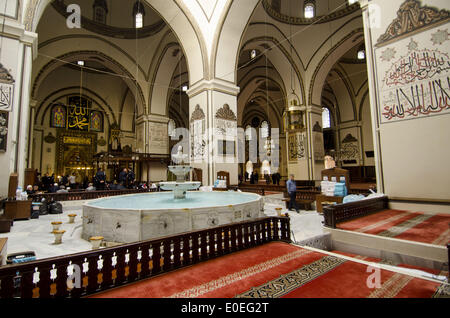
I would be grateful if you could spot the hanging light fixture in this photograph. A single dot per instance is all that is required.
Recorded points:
(309, 9)
(293, 115)
(138, 15)
(361, 55)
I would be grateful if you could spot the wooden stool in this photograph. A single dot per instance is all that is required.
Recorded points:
(96, 241)
(58, 236)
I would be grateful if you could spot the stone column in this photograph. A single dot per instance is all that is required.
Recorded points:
(297, 140)
(213, 129)
(372, 94)
(33, 104)
(316, 143)
(18, 47)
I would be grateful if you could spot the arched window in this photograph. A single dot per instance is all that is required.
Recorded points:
(138, 14)
(309, 9)
(100, 11)
(248, 132)
(264, 129)
(326, 118)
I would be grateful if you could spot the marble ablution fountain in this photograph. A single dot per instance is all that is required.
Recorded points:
(144, 216)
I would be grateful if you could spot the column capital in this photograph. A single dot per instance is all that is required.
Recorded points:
(313, 108)
(14, 29)
(213, 85)
(33, 103)
(363, 4)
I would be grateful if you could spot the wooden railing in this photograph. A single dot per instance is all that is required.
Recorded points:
(84, 195)
(334, 214)
(82, 274)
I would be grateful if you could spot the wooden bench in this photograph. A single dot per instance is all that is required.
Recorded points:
(3, 243)
(337, 213)
(303, 197)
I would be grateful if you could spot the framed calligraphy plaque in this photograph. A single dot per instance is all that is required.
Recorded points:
(413, 78)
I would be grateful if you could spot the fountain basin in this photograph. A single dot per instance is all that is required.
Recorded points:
(137, 217)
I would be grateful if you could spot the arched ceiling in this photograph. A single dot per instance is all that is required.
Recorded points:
(119, 18)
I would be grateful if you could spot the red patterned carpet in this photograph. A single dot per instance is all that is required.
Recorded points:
(404, 225)
(277, 270)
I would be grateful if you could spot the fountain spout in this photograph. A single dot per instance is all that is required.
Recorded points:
(179, 187)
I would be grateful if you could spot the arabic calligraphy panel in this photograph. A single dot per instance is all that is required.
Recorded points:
(6, 96)
(415, 83)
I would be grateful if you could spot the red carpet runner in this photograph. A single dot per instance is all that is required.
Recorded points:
(411, 226)
(277, 270)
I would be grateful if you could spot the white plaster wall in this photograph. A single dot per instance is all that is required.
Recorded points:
(414, 152)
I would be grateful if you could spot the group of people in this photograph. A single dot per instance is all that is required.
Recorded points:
(254, 177)
(51, 184)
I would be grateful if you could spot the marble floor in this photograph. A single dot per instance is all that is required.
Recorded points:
(35, 234)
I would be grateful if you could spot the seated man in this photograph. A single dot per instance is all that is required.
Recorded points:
(292, 191)
(90, 187)
(62, 189)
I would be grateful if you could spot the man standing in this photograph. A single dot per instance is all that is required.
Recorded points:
(123, 176)
(100, 179)
(292, 191)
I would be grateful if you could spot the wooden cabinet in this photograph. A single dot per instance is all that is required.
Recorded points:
(17, 210)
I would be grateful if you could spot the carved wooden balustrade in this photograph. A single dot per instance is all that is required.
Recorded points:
(334, 214)
(83, 274)
(84, 195)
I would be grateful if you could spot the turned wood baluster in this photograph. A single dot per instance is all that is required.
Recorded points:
(240, 238)
(156, 257)
(219, 241)
(276, 229)
(186, 249)
(234, 239)
(177, 252)
(246, 235)
(204, 245)
(167, 253)
(226, 239)
(194, 248)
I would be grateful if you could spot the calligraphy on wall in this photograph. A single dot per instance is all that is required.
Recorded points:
(6, 89)
(3, 130)
(78, 113)
(414, 72)
(296, 147)
(197, 131)
(77, 116)
(349, 150)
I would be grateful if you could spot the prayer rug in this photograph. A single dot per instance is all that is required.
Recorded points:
(277, 270)
(411, 226)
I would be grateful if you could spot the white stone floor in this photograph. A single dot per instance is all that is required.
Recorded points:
(35, 234)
